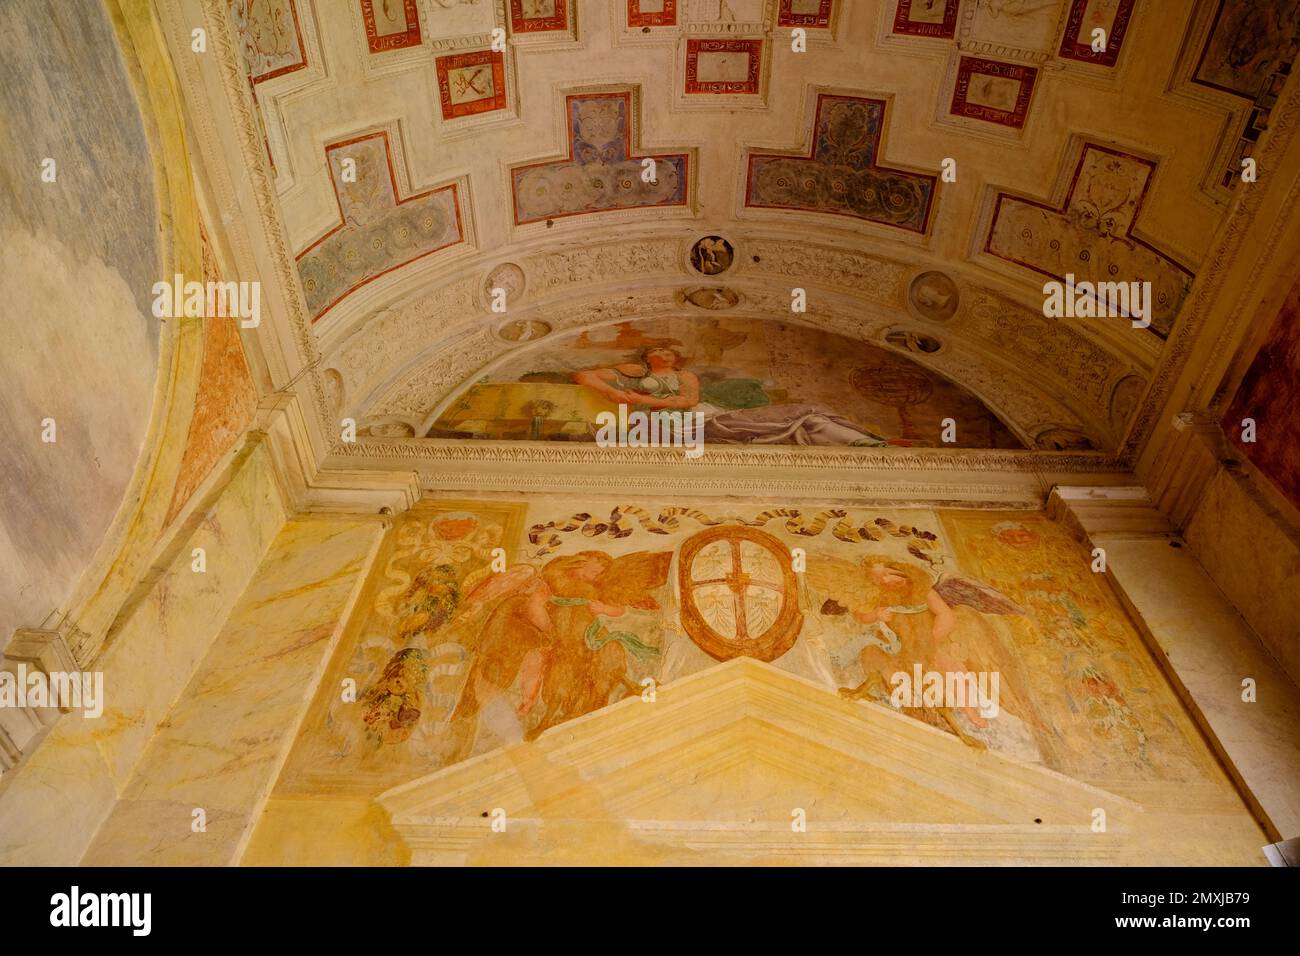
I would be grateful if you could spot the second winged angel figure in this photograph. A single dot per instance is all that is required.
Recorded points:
(897, 616)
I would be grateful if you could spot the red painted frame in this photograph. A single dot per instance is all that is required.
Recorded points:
(627, 149)
(1060, 210)
(302, 49)
(875, 152)
(785, 16)
(521, 24)
(445, 64)
(394, 41)
(392, 175)
(695, 47)
(635, 18)
(905, 25)
(1073, 47)
(970, 66)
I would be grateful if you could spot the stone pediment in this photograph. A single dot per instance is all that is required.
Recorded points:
(721, 767)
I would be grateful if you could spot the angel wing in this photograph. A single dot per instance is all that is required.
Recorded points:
(484, 590)
(496, 584)
(957, 590)
(631, 578)
(834, 578)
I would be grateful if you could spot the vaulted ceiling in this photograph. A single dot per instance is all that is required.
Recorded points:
(918, 168)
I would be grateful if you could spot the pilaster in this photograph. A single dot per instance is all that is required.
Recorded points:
(1245, 703)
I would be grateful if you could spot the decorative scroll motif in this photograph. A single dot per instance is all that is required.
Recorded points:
(378, 232)
(600, 173)
(402, 331)
(270, 37)
(1091, 235)
(604, 263)
(1071, 357)
(668, 521)
(842, 176)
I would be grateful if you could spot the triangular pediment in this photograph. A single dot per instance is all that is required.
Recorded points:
(733, 760)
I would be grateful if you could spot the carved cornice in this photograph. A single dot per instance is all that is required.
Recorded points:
(731, 455)
(934, 477)
(1127, 511)
(962, 478)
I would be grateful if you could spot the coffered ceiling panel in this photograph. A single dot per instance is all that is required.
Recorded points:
(459, 180)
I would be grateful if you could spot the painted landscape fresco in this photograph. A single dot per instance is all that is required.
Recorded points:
(755, 382)
(455, 658)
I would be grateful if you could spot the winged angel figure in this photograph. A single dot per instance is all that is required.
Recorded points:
(541, 644)
(909, 618)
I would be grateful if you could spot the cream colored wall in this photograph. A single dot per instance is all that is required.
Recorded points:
(289, 833)
(1247, 545)
(224, 740)
(205, 680)
(1246, 705)
(51, 805)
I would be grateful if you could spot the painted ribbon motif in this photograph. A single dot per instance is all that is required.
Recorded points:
(549, 535)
